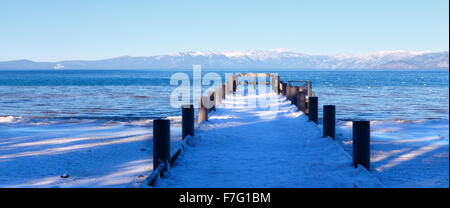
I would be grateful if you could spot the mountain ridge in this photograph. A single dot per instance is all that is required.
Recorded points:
(263, 59)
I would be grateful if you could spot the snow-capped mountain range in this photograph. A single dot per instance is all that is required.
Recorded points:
(255, 59)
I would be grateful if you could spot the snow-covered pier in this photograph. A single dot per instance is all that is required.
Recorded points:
(257, 138)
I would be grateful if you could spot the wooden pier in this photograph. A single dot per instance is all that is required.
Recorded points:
(258, 135)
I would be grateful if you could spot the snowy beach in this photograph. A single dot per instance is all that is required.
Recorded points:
(96, 154)
(406, 154)
(77, 153)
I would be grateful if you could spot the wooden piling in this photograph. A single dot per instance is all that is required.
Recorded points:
(329, 121)
(278, 85)
(361, 143)
(223, 91)
(288, 91)
(161, 141)
(313, 105)
(202, 110)
(301, 101)
(230, 84)
(294, 92)
(187, 120)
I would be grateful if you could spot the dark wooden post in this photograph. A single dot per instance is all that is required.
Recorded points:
(294, 92)
(213, 99)
(230, 84)
(187, 120)
(288, 91)
(223, 91)
(161, 141)
(313, 105)
(301, 101)
(361, 143)
(278, 85)
(202, 111)
(329, 121)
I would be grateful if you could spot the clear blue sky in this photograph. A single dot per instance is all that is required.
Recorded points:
(78, 29)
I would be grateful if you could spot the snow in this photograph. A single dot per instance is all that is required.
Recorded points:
(92, 153)
(407, 154)
(241, 146)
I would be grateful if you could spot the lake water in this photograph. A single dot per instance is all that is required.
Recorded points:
(137, 94)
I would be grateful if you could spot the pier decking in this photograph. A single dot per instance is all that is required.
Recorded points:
(245, 145)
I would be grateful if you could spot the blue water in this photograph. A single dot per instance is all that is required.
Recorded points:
(137, 94)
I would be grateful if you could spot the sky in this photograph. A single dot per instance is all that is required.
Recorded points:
(45, 30)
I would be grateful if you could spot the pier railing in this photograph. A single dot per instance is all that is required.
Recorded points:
(309, 105)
